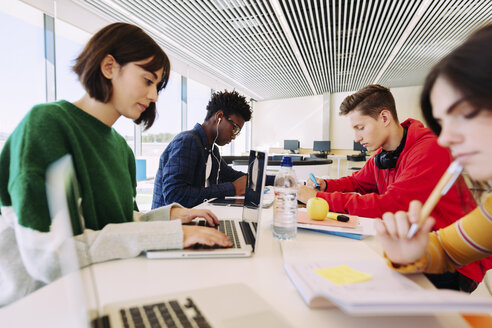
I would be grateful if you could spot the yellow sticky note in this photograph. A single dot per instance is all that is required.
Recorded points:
(343, 275)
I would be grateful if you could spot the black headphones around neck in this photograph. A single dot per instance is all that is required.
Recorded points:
(388, 159)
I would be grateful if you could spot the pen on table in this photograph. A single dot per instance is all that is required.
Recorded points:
(316, 184)
(442, 187)
(338, 217)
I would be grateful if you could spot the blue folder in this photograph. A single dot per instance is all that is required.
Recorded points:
(337, 233)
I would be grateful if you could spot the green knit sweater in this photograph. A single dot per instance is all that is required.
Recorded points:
(104, 163)
(105, 169)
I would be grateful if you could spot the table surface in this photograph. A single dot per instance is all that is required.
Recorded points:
(139, 277)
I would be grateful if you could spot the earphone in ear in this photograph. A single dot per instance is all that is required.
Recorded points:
(217, 128)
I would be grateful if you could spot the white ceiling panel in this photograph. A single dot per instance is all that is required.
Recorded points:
(287, 48)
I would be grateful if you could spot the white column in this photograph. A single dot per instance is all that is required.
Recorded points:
(49, 57)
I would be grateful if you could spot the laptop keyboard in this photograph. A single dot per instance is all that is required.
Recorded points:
(249, 237)
(170, 314)
(227, 227)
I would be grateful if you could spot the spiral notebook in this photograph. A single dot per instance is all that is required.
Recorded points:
(358, 281)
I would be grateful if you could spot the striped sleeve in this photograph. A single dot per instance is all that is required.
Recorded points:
(438, 260)
(467, 240)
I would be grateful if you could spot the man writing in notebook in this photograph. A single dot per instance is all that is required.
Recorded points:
(407, 165)
(191, 169)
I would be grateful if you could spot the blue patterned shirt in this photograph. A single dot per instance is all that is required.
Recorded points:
(181, 174)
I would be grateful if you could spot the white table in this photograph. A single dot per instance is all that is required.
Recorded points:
(139, 277)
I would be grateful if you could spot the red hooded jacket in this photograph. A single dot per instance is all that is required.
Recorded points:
(371, 191)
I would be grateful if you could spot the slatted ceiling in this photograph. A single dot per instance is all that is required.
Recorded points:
(252, 47)
(375, 40)
(263, 44)
(238, 53)
(292, 48)
(450, 22)
(342, 42)
(443, 41)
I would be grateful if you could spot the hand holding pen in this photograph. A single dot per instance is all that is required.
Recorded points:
(316, 183)
(393, 229)
(442, 187)
(403, 243)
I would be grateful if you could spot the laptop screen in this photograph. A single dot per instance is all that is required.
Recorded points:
(64, 204)
(255, 183)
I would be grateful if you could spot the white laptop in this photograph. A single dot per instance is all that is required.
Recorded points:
(242, 231)
(231, 305)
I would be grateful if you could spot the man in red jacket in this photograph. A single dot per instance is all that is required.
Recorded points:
(407, 165)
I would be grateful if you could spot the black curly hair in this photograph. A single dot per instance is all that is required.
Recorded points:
(229, 103)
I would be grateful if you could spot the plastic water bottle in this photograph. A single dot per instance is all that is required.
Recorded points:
(285, 209)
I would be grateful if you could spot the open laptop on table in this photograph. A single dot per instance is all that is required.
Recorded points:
(231, 305)
(242, 231)
(255, 178)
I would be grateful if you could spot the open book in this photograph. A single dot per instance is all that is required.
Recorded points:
(385, 292)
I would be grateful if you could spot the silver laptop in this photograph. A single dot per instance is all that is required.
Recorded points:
(231, 305)
(242, 231)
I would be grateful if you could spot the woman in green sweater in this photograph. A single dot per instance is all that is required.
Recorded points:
(122, 70)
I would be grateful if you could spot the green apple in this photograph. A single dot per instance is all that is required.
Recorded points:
(317, 208)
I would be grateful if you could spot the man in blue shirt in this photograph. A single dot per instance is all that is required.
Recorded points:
(191, 168)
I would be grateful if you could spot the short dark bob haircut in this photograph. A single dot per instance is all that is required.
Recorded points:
(468, 68)
(126, 43)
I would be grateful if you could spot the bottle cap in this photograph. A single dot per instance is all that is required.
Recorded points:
(286, 161)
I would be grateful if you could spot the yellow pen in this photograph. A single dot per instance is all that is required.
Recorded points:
(442, 187)
(337, 217)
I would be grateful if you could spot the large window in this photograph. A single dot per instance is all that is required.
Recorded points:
(198, 98)
(22, 70)
(166, 125)
(23, 84)
(69, 42)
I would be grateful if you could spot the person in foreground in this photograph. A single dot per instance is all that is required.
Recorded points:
(122, 70)
(457, 104)
(191, 169)
(407, 165)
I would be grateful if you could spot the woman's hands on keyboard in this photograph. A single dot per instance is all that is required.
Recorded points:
(202, 235)
(186, 215)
